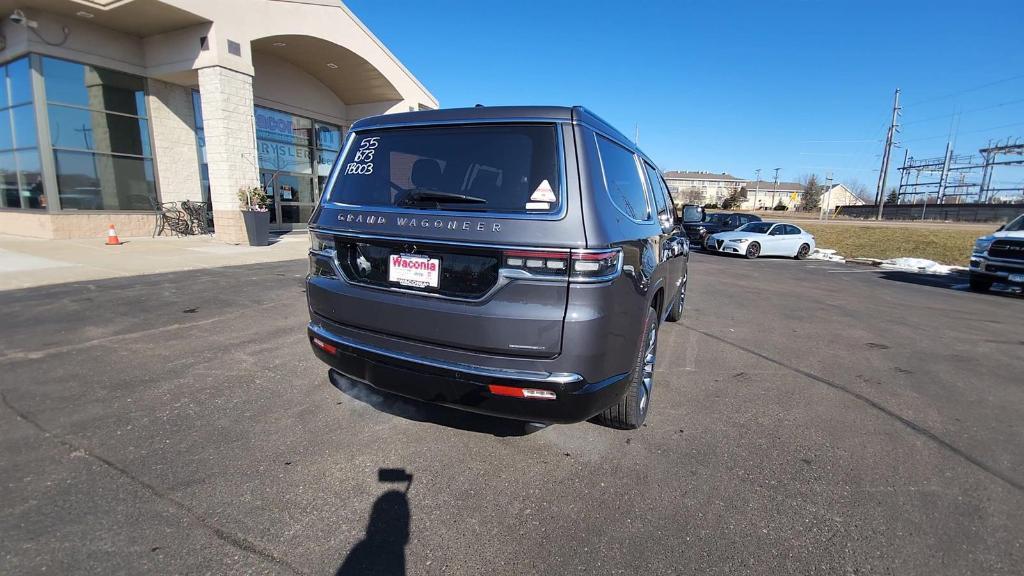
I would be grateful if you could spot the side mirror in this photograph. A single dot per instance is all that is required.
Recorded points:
(1000, 229)
(693, 214)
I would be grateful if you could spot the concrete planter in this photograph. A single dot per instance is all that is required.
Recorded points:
(257, 227)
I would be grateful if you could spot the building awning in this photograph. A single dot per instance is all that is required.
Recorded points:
(344, 72)
(139, 18)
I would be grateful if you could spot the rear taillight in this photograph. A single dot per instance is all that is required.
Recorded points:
(321, 243)
(537, 262)
(594, 265)
(577, 265)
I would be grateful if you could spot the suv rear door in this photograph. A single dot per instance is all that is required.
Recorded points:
(457, 236)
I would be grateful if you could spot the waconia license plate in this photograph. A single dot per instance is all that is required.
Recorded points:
(1016, 278)
(414, 270)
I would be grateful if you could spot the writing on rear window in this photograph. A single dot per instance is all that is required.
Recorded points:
(362, 163)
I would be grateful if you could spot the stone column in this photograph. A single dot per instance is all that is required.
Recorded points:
(174, 141)
(227, 102)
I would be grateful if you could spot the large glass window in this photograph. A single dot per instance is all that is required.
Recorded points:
(21, 180)
(295, 158)
(622, 177)
(100, 137)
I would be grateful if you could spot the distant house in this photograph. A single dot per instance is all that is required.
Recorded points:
(767, 195)
(839, 195)
(702, 187)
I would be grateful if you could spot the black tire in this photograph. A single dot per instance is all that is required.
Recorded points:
(980, 283)
(675, 313)
(753, 251)
(803, 252)
(631, 410)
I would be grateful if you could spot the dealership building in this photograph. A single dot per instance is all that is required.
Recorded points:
(112, 107)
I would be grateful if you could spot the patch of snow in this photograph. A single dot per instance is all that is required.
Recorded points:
(826, 254)
(919, 265)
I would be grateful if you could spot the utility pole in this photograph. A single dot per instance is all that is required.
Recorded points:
(636, 134)
(757, 188)
(884, 173)
(904, 174)
(828, 196)
(944, 178)
(775, 187)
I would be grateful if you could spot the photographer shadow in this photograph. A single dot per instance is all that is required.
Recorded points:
(382, 551)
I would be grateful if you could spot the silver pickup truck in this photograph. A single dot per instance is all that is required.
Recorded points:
(999, 257)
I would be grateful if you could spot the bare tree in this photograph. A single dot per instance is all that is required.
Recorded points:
(693, 195)
(860, 190)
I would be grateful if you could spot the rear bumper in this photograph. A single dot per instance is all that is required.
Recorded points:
(465, 386)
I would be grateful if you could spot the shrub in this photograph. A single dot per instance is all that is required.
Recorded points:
(254, 198)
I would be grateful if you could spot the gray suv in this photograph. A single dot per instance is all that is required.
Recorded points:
(514, 261)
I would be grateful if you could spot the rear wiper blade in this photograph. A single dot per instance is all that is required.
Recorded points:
(420, 195)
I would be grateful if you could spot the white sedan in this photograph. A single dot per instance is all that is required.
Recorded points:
(763, 239)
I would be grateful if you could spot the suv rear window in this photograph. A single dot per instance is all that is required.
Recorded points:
(622, 178)
(493, 168)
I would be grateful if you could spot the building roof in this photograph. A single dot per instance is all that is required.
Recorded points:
(677, 175)
(769, 186)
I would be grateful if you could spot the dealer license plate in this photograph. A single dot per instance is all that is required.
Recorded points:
(1016, 278)
(414, 270)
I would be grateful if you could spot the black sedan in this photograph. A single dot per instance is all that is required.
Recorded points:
(714, 223)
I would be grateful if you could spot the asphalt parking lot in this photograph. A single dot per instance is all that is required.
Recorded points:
(808, 417)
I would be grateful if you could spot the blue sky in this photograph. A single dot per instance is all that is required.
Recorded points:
(733, 86)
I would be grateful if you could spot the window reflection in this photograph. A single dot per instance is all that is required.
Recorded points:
(93, 87)
(91, 130)
(88, 181)
(100, 137)
(21, 183)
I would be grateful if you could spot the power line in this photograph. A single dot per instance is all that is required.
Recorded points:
(944, 116)
(968, 132)
(965, 90)
(840, 141)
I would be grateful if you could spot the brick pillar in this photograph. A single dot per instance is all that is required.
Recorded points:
(226, 98)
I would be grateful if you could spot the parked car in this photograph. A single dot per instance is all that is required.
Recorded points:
(763, 239)
(999, 257)
(716, 222)
(515, 261)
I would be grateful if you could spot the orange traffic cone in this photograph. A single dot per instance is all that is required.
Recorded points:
(112, 239)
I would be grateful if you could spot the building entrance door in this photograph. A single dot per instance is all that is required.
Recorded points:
(292, 198)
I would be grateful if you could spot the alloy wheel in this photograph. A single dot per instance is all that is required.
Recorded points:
(648, 375)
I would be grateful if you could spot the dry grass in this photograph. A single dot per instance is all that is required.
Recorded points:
(945, 245)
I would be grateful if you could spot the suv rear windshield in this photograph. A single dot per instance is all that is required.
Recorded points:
(492, 168)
